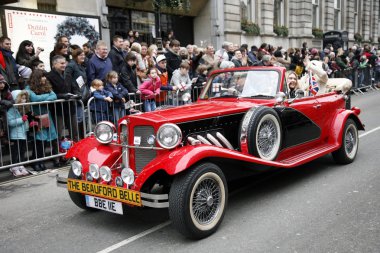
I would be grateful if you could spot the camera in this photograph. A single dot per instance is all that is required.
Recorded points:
(41, 49)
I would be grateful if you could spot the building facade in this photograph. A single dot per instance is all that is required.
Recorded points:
(286, 23)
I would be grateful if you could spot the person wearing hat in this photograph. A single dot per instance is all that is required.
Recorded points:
(163, 75)
(18, 122)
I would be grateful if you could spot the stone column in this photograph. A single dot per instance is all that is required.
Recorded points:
(232, 21)
(375, 20)
(300, 22)
(366, 19)
(267, 14)
(329, 15)
(350, 19)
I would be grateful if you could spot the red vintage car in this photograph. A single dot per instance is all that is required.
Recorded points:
(181, 158)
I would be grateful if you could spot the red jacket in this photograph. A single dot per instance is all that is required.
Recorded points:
(150, 88)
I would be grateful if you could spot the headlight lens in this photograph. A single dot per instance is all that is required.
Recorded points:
(169, 136)
(94, 171)
(104, 132)
(105, 173)
(128, 176)
(76, 166)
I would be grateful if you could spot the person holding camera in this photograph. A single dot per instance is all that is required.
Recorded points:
(26, 54)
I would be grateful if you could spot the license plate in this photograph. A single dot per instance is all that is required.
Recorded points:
(104, 204)
(109, 192)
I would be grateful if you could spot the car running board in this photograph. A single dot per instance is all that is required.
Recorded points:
(308, 155)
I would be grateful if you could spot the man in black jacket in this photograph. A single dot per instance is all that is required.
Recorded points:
(173, 59)
(64, 112)
(116, 53)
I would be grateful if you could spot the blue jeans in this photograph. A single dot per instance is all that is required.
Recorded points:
(149, 105)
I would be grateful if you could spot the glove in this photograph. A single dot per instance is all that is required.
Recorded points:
(24, 118)
(66, 96)
(77, 97)
(6, 103)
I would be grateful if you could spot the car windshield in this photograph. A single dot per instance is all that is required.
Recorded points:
(248, 84)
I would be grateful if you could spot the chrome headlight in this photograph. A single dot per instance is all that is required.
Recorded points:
(104, 132)
(94, 170)
(105, 173)
(169, 136)
(128, 176)
(76, 166)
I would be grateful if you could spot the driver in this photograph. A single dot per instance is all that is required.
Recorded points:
(238, 86)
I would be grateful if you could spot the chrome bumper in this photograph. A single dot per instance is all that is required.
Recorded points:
(149, 200)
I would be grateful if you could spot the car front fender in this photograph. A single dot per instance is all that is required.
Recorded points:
(183, 158)
(89, 150)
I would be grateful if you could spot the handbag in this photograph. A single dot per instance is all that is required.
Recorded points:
(43, 121)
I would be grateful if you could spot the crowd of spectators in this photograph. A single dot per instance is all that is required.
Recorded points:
(131, 66)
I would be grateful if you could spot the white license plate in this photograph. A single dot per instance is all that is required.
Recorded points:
(104, 204)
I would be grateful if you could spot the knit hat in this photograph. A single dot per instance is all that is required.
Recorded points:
(2, 79)
(314, 51)
(161, 57)
(24, 71)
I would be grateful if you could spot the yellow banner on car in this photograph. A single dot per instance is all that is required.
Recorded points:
(105, 191)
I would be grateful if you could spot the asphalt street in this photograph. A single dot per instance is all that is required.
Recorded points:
(318, 207)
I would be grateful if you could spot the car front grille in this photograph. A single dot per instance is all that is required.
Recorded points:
(143, 156)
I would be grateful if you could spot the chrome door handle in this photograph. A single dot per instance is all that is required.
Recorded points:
(317, 106)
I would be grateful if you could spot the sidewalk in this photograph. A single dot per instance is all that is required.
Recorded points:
(6, 175)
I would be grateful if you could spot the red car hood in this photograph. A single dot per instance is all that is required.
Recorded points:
(201, 110)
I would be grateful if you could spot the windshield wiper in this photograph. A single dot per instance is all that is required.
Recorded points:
(261, 96)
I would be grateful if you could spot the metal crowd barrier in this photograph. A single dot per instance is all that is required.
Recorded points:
(51, 127)
(101, 110)
(70, 121)
(363, 79)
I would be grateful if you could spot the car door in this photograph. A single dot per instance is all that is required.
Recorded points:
(302, 121)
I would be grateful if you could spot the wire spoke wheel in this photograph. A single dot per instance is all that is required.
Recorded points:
(262, 132)
(197, 200)
(350, 143)
(206, 201)
(266, 138)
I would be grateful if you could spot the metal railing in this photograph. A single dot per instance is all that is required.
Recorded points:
(44, 134)
(363, 79)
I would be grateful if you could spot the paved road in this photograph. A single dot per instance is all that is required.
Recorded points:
(318, 207)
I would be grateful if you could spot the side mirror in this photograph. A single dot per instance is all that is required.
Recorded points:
(280, 97)
(300, 93)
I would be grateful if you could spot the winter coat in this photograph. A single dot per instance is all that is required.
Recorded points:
(150, 88)
(173, 62)
(45, 134)
(61, 88)
(26, 60)
(98, 68)
(5, 100)
(99, 104)
(74, 71)
(17, 127)
(117, 59)
(178, 80)
(11, 69)
(118, 93)
(128, 78)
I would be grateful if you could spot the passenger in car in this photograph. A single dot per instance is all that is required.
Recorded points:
(292, 83)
